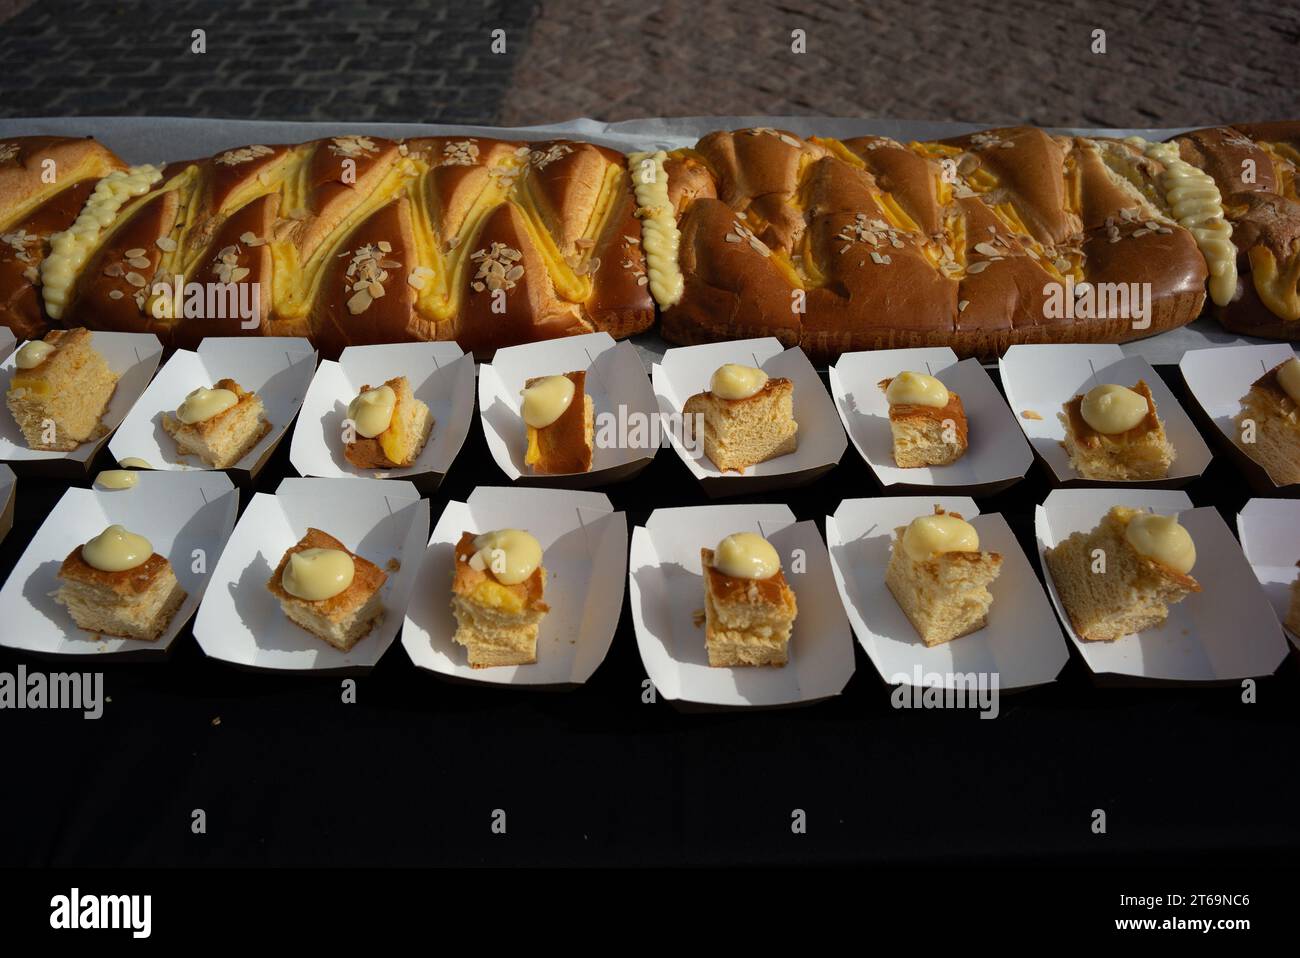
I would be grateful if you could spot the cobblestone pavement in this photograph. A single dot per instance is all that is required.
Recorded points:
(1165, 64)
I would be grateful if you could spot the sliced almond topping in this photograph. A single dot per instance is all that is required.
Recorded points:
(359, 303)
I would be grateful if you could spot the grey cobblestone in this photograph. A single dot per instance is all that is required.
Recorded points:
(992, 61)
(417, 60)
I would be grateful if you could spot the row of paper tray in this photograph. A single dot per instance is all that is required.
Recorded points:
(1230, 631)
(285, 373)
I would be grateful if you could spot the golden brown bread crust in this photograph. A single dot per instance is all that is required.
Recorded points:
(127, 582)
(1264, 210)
(465, 578)
(1088, 437)
(563, 445)
(953, 412)
(727, 590)
(313, 225)
(367, 578)
(32, 210)
(895, 245)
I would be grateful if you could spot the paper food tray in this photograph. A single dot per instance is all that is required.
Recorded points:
(1218, 379)
(997, 456)
(687, 370)
(584, 552)
(277, 368)
(1225, 632)
(133, 356)
(1022, 642)
(1270, 539)
(667, 595)
(441, 376)
(616, 383)
(241, 622)
(1041, 379)
(187, 517)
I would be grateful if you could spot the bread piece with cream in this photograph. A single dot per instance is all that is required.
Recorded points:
(748, 417)
(940, 578)
(1114, 433)
(1121, 577)
(1270, 418)
(60, 390)
(329, 590)
(115, 584)
(498, 597)
(559, 418)
(389, 425)
(926, 419)
(219, 425)
(749, 609)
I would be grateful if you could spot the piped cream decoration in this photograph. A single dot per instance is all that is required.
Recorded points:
(70, 248)
(33, 354)
(318, 574)
(916, 389)
(116, 550)
(929, 536)
(117, 479)
(734, 381)
(204, 403)
(1161, 538)
(372, 411)
(1196, 204)
(1112, 409)
(746, 555)
(1288, 377)
(511, 555)
(545, 401)
(659, 235)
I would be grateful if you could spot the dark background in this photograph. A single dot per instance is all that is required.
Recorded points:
(410, 775)
(288, 775)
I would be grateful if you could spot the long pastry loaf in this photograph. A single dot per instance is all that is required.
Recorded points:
(349, 240)
(871, 243)
(1254, 168)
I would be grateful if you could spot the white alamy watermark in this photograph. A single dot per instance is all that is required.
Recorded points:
(177, 299)
(81, 691)
(1071, 300)
(633, 429)
(946, 690)
(75, 911)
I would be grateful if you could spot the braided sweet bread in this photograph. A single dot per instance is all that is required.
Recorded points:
(1254, 166)
(870, 243)
(348, 240)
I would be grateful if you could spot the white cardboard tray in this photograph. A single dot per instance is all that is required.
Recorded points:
(441, 376)
(188, 518)
(277, 368)
(584, 552)
(240, 621)
(1022, 642)
(667, 592)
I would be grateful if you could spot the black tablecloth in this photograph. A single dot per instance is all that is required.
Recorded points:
(287, 774)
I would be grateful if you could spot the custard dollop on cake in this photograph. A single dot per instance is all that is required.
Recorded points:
(940, 577)
(498, 596)
(115, 584)
(559, 419)
(60, 390)
(1268, 425)
(1115, 433)
(926, 420)
(220, 424)
(749, 608)
(1146, 567)
(329, 590)
(748, 417)
(390, 426)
